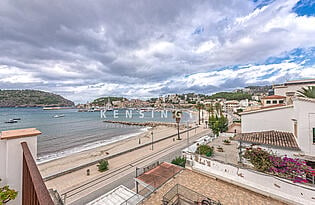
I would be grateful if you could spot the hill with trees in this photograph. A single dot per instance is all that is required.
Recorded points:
(31, 98)
(231, 96)
(103, 100)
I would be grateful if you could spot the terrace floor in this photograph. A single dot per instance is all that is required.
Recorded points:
(215, 189)
(230, 152)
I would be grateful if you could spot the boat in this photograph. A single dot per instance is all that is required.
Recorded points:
(58, 116)
(16, 118)
(11, 121)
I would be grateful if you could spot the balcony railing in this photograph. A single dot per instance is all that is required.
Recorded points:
(34, 190)
(180, 193)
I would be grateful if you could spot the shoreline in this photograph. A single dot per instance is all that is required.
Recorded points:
(87, 147)
(146, 127)
(80, 158)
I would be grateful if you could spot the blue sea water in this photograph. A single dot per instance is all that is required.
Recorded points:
(76, 131)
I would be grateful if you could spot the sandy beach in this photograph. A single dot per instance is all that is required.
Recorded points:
(61, 164)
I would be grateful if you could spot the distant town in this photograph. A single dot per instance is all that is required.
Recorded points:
(236, 101)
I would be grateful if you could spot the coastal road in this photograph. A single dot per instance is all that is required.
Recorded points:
(124, 175)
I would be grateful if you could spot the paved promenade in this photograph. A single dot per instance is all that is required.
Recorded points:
(77, 184)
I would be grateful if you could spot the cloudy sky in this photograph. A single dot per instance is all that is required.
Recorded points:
(87, 49)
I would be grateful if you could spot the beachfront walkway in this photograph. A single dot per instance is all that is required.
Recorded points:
(213, 188)
(68, 181)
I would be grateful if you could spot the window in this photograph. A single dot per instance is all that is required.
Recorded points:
(268, 102)
(274, 102)
(281, 101)
(313, 135)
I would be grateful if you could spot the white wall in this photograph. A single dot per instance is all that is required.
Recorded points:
(275, 119)
(3, 151)
(270, 185)
(290, 88)
(11, 163)
(304, 113)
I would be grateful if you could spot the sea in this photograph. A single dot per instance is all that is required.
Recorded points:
(79, 131)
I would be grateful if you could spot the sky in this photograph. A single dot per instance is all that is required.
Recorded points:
(140, 49)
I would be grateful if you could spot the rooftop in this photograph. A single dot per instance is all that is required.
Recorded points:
(285, 140)
(12, 134)
(274, 97)
(119, 195)
(211, 187)
(267, 108)
(159, 175)
(300, 81)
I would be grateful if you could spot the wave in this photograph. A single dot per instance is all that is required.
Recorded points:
(89, 146)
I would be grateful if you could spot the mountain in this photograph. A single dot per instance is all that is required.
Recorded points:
(31, 98)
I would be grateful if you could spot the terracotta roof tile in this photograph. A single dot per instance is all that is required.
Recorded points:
(160, 174)
(273, 138)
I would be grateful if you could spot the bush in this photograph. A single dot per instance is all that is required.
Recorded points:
(289, 168)
(180, 161)
(7, 194)
(205, 150)
(259, 158)
(102, 165)
(227, 141)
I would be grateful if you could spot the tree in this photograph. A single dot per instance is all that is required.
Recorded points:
(102, 165)
(7, 194)
(199, 106)
(218, 108)
(218, 123)
(204, 150)
(308, 92)
(210, 109)
(180, 161)
(177, 115)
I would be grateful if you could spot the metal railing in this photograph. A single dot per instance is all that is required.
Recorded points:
(181, 193)
(34, 190)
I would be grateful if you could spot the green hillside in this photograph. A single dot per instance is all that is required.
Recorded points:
(31, 98)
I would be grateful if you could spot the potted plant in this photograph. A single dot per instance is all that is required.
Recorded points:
(220, 149)
(7, 194)
(227, 141)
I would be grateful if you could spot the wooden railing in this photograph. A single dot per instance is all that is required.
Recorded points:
(34, 190)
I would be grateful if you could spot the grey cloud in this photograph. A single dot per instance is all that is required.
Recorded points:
(96, 42)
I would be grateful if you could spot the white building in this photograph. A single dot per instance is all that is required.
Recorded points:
(291, 87)
(298, 119)
(273, 100)
(231, 105)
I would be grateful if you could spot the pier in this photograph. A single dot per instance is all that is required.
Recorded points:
(145, 124)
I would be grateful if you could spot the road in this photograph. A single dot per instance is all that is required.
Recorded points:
(124, 175)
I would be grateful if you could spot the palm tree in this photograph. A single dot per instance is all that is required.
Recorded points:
(218, 108)
(308, 92)
(177, 115)
(199, 106)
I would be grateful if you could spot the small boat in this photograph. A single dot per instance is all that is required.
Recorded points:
(58, 116)
(11, 121)
(16, 118)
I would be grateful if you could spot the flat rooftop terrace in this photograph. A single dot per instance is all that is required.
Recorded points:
(213, 188)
